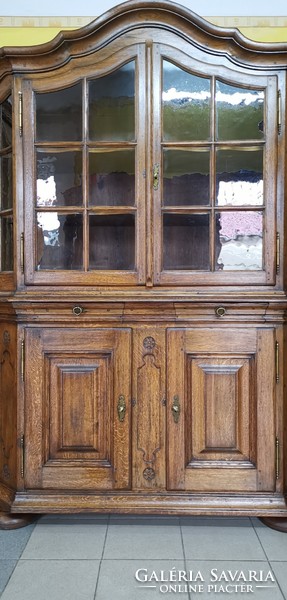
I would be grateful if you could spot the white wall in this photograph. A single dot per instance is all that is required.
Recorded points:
(96, 7)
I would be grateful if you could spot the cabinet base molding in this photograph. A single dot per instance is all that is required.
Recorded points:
(14, 521)
(161, 504)
(278, 523)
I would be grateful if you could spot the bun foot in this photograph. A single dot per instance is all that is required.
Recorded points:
(278, 523)
(14, 521)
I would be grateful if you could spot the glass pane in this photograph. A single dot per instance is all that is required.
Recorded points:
(59, 177)
(112, 105)
(239, 113)
(6, 244)
(240, 241)
(59, 241)
(186, 105)
(6, 123)
(186, 177)
(239, 178)
(59, 115)
(112, 178)
(112, 242)
(6, 182)
(186, 242)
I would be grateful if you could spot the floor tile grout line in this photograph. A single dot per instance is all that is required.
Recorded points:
(18, 559)
(218, 560)
(105, 560)
(258, 537)
(183, 551)
(102, 557)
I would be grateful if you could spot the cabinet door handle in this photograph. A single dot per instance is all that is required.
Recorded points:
(121, 408)
(175, 409)
(155, 176)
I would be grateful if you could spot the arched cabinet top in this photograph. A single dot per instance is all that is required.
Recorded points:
(130, 17)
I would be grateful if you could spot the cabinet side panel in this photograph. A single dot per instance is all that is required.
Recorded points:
(8, 404)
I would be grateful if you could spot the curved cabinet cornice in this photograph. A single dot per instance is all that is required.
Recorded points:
(129, 17)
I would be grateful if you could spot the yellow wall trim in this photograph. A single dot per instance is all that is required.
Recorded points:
(63, 22)
(75, 22)
(28, 31)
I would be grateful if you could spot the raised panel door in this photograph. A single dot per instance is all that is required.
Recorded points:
(77, 408)
(221, 410)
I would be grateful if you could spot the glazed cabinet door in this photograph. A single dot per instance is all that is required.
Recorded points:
(77, 417)
(84, 188)
(214, 172)
(221, 410)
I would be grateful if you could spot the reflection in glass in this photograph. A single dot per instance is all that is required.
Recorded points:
(59, 115)
(112, 178)
(6, 175)
(112, 105)
(239, 113)
(186, 242)
(59, 241)
(6, 244)
(6, 123)
(59, 177)
(239, 177)
(112, 242)
(186, 105)
(186, 177)
(240, 234)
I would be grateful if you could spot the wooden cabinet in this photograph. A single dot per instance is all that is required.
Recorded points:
(143, 270)
(76, 430)
(221, 418)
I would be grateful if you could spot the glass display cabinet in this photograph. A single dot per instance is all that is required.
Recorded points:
(143, 270)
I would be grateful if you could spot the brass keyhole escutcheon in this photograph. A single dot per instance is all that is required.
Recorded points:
(77, 310)
(155, 176)
(175, 409)
(220, 311)
(121, 408)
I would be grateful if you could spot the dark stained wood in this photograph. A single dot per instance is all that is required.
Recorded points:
(204, 408)
(8, 399)
(14, 521)
(276, 523)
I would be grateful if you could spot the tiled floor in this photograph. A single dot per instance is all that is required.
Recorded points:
(96, 557)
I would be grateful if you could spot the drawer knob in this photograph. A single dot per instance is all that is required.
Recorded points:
(77, 310)
(220, 311)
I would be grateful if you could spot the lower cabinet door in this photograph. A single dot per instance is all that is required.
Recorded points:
(77, 408)
(221, 422)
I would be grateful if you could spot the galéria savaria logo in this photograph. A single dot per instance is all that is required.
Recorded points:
(216, 581)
